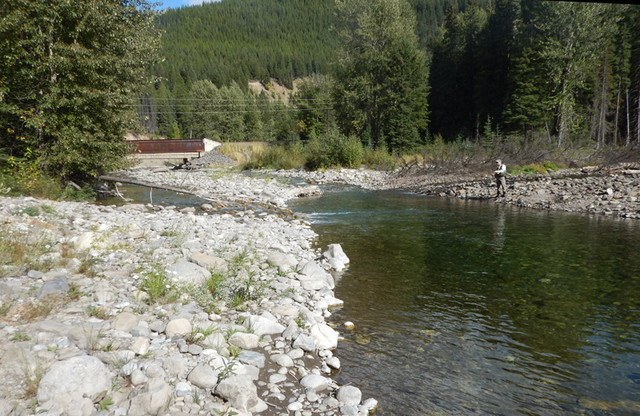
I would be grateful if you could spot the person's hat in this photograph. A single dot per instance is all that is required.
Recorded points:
(498, 160)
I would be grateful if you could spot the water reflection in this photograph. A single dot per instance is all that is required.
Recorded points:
(466, 307)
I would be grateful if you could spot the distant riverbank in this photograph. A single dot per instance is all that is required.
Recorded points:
(613, 191)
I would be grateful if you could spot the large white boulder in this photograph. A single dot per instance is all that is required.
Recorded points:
(349, 395)
(244, 340)
(178, 327)
(154, 398)
(325, 337)
(72, 386)
(283, 261)
(315, 382)
(261, 325)
(336, 257)
(184, 271)
(241, 393)
(204, 376)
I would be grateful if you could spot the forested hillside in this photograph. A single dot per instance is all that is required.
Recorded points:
(230, 42)
(476, 70)
(239, 40)
(392, 75)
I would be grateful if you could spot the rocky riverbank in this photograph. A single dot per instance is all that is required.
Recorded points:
(612, 191)
(148, 310)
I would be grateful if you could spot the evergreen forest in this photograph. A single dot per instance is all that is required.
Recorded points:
(456, 70)
(231, 42)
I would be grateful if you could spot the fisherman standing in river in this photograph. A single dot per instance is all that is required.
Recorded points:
(500, 174)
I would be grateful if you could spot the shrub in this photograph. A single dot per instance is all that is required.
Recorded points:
(351, 153)
(85, 193)
(243, 152)
(19, 182)
(278, 157)
(534, 168)
(334, 150)
(530, 169)
(379, 158)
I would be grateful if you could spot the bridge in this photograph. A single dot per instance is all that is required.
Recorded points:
(161, 152)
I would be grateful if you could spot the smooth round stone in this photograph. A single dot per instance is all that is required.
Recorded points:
(294, 407)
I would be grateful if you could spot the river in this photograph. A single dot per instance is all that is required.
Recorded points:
(473, 308)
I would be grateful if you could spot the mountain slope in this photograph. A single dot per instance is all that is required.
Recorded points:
(238, 40)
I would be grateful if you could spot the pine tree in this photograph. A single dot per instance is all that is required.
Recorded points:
(313, 101)
(494, 61)
(453, 74)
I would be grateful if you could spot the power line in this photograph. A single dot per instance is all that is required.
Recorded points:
(230, 111)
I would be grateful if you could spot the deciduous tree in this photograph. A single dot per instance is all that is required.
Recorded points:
(381, 77)
(69, 76)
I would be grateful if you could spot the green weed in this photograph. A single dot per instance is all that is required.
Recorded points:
(30, 311)
(74, 292)
(239, 297)
(32, 377)
(32, 211)
(215, 283)
(24, 249)
(103, 405)
(47, 209)
(179, 236)
(158, 286)
(98, 312)
(227, 371)
(198, 334)
(20, 337)
(86, 266)
(4, 309)
(234, 351)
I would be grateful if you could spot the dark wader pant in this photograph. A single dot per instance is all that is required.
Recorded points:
(501, 183)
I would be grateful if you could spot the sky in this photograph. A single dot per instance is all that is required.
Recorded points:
(174, 4)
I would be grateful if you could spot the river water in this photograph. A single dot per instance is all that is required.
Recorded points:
(473, 308)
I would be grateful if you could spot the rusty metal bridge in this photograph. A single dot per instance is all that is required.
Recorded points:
(153, 152)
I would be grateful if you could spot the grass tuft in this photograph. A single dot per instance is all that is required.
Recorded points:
(158, 286)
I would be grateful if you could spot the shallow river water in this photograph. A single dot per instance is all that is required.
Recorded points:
(473, 308)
